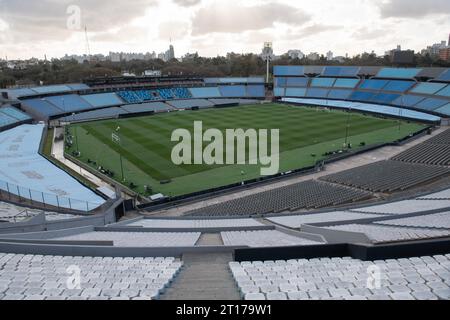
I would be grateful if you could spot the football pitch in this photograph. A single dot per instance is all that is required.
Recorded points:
(142, 146)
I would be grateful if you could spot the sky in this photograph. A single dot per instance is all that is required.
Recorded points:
(34, 28)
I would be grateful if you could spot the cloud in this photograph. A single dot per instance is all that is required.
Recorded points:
(308, 31)
(187, 3)
(413, 8)
(223, 18)
(174, 30)
(48, 19)
(365, 33)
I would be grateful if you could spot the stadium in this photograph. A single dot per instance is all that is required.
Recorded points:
(363, 184)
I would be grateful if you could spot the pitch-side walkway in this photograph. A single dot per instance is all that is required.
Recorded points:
(58, 154)
(384, 153)
(204, 277)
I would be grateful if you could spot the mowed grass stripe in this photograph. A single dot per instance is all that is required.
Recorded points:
(304, 131)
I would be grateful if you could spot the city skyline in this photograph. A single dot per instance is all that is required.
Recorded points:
(211, 27)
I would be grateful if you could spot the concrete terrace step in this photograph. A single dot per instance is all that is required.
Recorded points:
(204, 277)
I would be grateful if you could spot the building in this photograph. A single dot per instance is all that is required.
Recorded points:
(444, 54)
(296, 54)
(152, 73)
(313, 56)
(390, 53)
(330, 56)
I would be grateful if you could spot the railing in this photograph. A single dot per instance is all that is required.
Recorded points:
(52, 201)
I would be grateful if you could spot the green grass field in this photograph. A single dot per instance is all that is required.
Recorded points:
(146, 145)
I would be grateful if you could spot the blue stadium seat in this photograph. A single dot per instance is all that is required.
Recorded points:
(280, 82)
(232, 91)
(362, 96)
(323, 82)
(444, 110)
(100, 100)
(385, 98)
(69, 103)
(373, 84)
(431, 104)
(317, 93)
(182, 93)
(445, 76)
(279, 92)
(295, 92)
(428, 87)
(346, 83)
(444, 92)
(129, 97)
(15, 113)
(256, 91)
(207, 92)
(41, 107)
(288, 71)
(398, 73)
(399, 86)
(339, 94)
(334, 71)
(408, 100)
(166, 94)
(297, 82)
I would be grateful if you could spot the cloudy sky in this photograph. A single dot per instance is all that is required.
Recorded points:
(32, 28)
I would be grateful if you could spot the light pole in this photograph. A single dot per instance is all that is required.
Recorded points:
(116, 139)
(347, 129)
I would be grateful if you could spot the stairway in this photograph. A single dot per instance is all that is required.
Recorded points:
(204, 277)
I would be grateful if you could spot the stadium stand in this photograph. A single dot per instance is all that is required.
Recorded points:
(297, 221)
(147, 107)
(182, 93)
(294, 82)
(313, 71)
(362, 96)
(69, 103)
(438, 221)
(250, 80)
(207, 92)
(346, 83)
(52, 89)
(233, 91)
(192, 103)
(25, 173)
(424, 278)
(444, 92)
(378, 234)
(445, 76)
(443, 195)
(295, 92)
(341, 94)
(280, 92)
(10, 117)
(332, 71)
(365, 107)
(104, 278)
(444, 110)
(435, 151)
(323, 82)
(129, 97)
(101, 100)
(399, 73)
(406, 207)
(289, 71)
(305, 195)
(399, 86)
(373, 84)
(384, 98)
(195, 223)
(317, 93)
(408, 100)
(107, 113)
(431, 104)
(255, 91)
(41, 109)
(388, 176)
(12, 213)
(260, 239)
(428, 88)
(139, 239)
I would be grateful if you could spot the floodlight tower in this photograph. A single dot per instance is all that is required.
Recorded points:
(267, 55)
